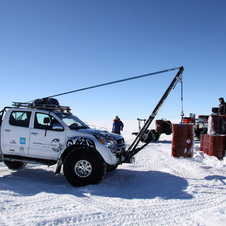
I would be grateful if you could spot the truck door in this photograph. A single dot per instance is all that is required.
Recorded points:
(16, 132)
(47, 137)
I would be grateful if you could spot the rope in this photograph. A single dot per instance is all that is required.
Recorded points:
(110, 83)
(182, 99)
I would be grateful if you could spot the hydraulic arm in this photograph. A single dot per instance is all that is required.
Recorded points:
(133, 149)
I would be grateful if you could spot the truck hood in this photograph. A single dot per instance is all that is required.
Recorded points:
(101, 133)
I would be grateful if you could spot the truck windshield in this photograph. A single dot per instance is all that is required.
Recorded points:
(72, 121)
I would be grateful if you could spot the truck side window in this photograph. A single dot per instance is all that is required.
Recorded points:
(20, 118)
(44, 121)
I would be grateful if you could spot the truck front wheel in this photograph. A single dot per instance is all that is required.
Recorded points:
(84, 166)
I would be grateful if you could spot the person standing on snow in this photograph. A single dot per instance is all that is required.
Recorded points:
(117, 125)
(221, 110)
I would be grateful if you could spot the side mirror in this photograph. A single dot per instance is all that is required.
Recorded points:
(58, 127)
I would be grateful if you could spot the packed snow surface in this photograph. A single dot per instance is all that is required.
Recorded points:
(157, 189)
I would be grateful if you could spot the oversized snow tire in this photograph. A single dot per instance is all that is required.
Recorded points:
(14, 165)
(157, 135)
(151, 136)
(84, 166)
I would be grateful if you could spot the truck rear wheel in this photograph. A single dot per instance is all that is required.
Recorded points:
(84, 166)
(151, 136)
(14, 165)
(157, 135)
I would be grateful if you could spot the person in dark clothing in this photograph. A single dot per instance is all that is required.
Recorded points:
(221, 110)
(117, 125)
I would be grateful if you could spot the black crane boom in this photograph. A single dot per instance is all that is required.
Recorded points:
(133, 149)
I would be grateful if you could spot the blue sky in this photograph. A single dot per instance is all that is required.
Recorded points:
(54, 46)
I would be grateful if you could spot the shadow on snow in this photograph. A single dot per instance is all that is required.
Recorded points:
(121, 183)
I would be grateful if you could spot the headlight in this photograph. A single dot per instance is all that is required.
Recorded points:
(107, 143)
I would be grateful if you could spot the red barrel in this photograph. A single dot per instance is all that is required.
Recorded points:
(158, 126)
(217, 146)
(206, 143)
(188, 120)
(163, 126)
(202, 143)
(183, 140)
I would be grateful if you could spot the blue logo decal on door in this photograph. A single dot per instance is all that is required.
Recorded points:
(22, 140)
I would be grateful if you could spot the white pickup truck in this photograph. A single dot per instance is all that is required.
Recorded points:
(47, 133)
(50, 134)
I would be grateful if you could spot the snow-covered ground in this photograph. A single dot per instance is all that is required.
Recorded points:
(157, 189)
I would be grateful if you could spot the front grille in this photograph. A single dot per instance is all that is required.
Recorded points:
(120, 142)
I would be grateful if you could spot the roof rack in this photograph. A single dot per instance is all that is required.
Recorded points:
(50, 107)
(21, 104)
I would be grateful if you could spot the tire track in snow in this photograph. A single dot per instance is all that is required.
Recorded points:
(156, 190)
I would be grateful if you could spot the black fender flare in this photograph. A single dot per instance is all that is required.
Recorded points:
(62, 157)
(72, 143)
